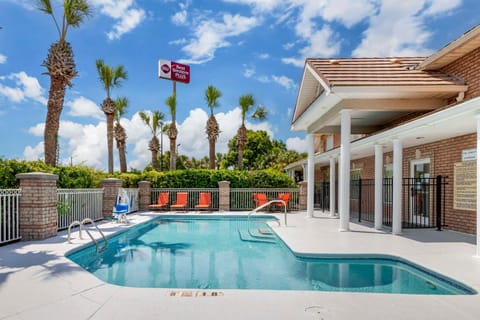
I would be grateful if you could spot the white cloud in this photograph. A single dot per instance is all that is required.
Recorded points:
(288, 45)
(284, 81)
(400, 28)
(296, 144)
(124, 12)
(264, 56)
(248, 72)
(180, 18)
(26, 88)
(33, 153)
(83, 107)
(322, 43)
(259, 5)
(178, 41)
(211, 35)
(3, 58)
(442, 6)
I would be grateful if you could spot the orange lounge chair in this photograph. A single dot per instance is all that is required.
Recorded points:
(162, 201)
(205, 201)
(260, 199)
(282, 196)
(182, 198)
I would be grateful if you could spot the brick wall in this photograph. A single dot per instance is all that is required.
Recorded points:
(467, 68)
(443, 155)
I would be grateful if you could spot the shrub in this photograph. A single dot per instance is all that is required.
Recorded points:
(73, 177)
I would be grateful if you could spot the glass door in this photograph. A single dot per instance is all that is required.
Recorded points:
(419, 192)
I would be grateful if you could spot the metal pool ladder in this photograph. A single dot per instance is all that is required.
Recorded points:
(266, 205)
(81, 224)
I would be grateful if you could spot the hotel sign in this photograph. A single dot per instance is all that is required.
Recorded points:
(175, 71)
(469, 155)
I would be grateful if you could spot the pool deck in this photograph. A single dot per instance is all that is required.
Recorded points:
(38, 282)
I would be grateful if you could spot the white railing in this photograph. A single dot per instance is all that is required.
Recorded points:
(242, 198)
(9, 215)
(133, 196)
(78, 204)
(193, 196)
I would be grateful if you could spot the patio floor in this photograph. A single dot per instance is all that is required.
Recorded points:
(38, 282)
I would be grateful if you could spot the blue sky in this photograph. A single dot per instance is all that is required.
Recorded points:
(239, 46)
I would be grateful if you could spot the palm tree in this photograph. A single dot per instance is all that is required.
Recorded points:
(212, 129)
(153, 122)
(172, 132)
(110, 78)
(246, 102)
(61, 69)
(121, 105)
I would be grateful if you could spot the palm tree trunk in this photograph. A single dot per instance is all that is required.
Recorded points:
(173, 165)
(172, 135)
(52, 123)
(211, 162)
(122, 158)
(155, 160)
(240, 156)
(110, 142)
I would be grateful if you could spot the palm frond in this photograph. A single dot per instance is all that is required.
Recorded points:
(75, 12)
(245, 102)
(122, 104)
(119, 73)
(171, 102)
(260, 113)
(212, 95)
(45, 6)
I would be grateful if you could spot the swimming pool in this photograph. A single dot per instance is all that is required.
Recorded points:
(231, 253)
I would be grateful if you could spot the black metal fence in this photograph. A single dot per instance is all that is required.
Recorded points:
(423, 201)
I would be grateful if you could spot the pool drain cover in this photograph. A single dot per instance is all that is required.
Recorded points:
(193, 294)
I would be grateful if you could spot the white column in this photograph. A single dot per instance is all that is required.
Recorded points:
(332, 186)
(378, 186)
(397, 187)
(478, 186)
(344, 195)
(310, 175)
(305, 170)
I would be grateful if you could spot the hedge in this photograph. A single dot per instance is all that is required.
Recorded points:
(84, 177)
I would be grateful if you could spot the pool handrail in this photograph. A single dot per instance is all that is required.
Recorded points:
(266, 205)
(81, 224)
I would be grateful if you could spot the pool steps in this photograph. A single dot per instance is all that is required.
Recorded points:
(255, 236)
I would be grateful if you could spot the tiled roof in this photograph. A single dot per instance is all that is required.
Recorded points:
(378, 72)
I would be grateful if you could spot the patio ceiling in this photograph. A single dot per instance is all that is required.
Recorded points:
(447, 123)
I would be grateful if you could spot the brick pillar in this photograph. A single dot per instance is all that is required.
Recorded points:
(144, 195)
(110, 192)
(302, 196)
(38, 205)
(224, 199)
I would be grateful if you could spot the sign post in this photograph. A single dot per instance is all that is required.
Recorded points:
(174, 71)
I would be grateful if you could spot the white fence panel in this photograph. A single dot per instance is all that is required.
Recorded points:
(9, 215)
(78, 204)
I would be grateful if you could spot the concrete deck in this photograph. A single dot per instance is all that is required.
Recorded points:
(38, 282)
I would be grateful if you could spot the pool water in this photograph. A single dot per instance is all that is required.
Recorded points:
(232, 253)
